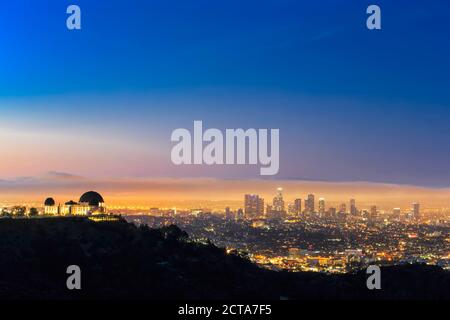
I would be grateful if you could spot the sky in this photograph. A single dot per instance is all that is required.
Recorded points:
(352, 105)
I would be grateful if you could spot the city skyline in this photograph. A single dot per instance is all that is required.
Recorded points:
(217, 193)
(282, 209)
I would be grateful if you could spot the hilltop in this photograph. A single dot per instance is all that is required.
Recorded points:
(120, 260)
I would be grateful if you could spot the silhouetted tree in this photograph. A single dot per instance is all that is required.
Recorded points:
(33, 212)
(18, 211)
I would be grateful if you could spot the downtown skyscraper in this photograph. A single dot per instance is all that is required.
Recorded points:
(416, 210)
(353, 210)
(253, 206)
(278, 202)
(322, 207)
(298, 206)
(309, 204)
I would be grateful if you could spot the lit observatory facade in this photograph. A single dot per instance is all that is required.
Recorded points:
(90, 203)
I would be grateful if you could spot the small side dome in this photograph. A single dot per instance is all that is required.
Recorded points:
(49, 202)
(92, 198)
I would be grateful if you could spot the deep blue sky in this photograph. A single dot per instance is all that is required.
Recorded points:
(351, 104)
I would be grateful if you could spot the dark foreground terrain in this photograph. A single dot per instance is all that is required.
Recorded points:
(121, 261)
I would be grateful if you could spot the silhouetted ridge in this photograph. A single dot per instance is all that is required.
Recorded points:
(120, 260)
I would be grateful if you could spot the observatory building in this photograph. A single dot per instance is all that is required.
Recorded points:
(90, 203)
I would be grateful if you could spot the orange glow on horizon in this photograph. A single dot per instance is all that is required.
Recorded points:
(199, 192)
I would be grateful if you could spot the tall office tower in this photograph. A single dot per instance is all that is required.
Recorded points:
(416, 210)
(298, 206)
(229, 214)
(396, 212)
(306, 206)
(291, 209)
(254, 206)
(353, 210)
(342, 212)
(261, 207)
(240, 214)
(332, 212)
(278, 202)
(373, 212)
(322, 207)
(309, 204)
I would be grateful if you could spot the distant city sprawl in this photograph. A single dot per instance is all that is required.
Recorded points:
(300, 236)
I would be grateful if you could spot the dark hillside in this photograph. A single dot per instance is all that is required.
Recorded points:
(120, 260)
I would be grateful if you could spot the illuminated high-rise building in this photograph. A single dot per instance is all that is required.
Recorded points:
(373, 212)
(309, 204)
(229, 214)
(342, 213)
(416, 210)
(278, 202)
(332, 212)
(322, 207)
(240, 214)
(291, 209)
(353, 210)
(298, 206)
(253, 206)
(260, 207)
(396, 212)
